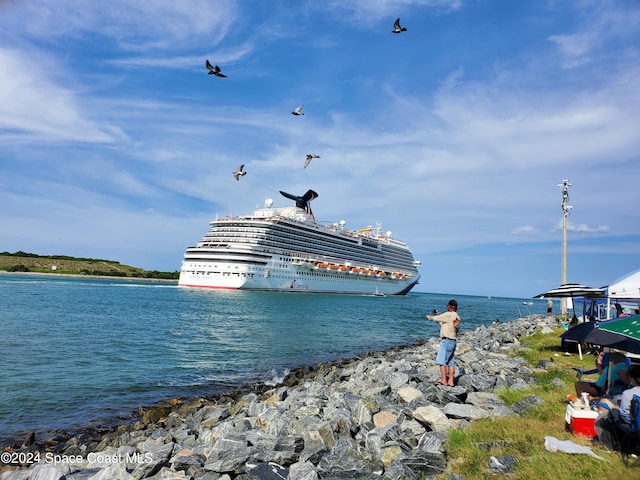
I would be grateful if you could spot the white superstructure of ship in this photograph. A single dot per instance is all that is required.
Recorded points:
(286, 249)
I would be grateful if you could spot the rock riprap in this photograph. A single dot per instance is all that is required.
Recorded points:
(378, 415)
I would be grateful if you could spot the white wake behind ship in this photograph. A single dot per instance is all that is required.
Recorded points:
(286, 249)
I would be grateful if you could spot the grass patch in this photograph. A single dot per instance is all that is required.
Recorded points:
(63, 264)
(522, 437)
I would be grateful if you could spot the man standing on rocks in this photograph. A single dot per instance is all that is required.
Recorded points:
(449, 325)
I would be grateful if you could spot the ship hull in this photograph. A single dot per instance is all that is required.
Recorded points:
(282, 280)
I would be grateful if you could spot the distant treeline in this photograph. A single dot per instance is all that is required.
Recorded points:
(115, 269)
(140, 274)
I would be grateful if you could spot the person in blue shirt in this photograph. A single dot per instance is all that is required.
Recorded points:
(613, 414)
(617, 381)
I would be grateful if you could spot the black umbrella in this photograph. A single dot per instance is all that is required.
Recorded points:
(579, 332)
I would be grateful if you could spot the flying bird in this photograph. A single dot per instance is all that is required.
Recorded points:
(214, 70)
(310, 157)
(239, 172)
(397, 28)
(298, 111)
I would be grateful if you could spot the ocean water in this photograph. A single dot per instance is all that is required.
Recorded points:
(79, 351)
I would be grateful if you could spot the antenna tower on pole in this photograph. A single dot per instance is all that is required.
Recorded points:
(565, 185)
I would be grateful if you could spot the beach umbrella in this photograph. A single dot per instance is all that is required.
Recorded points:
(578, 332)
(605, 334)
(605, 338)
(570, 290)
(628, 327)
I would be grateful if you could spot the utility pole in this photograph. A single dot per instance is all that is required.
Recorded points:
(565, 185)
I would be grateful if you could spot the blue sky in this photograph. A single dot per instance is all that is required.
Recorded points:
(116, 144)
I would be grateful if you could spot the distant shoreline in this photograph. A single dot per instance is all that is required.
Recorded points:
(94, 277)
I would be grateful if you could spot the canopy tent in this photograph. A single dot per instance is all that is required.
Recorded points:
(627, 287)
(624, 290)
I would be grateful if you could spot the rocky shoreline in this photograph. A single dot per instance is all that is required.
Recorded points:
(377, 415)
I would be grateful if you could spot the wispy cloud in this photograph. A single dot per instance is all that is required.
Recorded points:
(224, 56)
(526, 231)
(35, 106)
(136, 25)
(376, 9)
(575, 48)
(581, 228)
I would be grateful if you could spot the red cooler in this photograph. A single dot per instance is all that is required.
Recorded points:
(581, 421)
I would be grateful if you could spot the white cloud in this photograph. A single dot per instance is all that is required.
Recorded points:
(575, 48)
(136, 24)
(581, 228)
(376, 9)
(35, 105)
(527, 231)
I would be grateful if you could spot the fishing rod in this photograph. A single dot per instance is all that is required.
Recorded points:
(435, 311)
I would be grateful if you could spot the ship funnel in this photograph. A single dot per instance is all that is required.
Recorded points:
(301, 201)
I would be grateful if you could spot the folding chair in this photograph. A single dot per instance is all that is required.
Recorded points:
(626, 434)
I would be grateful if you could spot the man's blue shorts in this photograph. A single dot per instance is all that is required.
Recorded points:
(445, 352)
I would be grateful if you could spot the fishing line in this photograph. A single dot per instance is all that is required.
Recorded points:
(434, 310)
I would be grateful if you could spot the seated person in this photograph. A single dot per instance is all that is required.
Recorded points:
(618, 380)
(608, 417)
(627, 395)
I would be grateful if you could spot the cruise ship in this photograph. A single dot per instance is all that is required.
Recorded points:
(286, 249)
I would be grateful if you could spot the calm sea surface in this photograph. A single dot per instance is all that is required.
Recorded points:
(78, 352)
